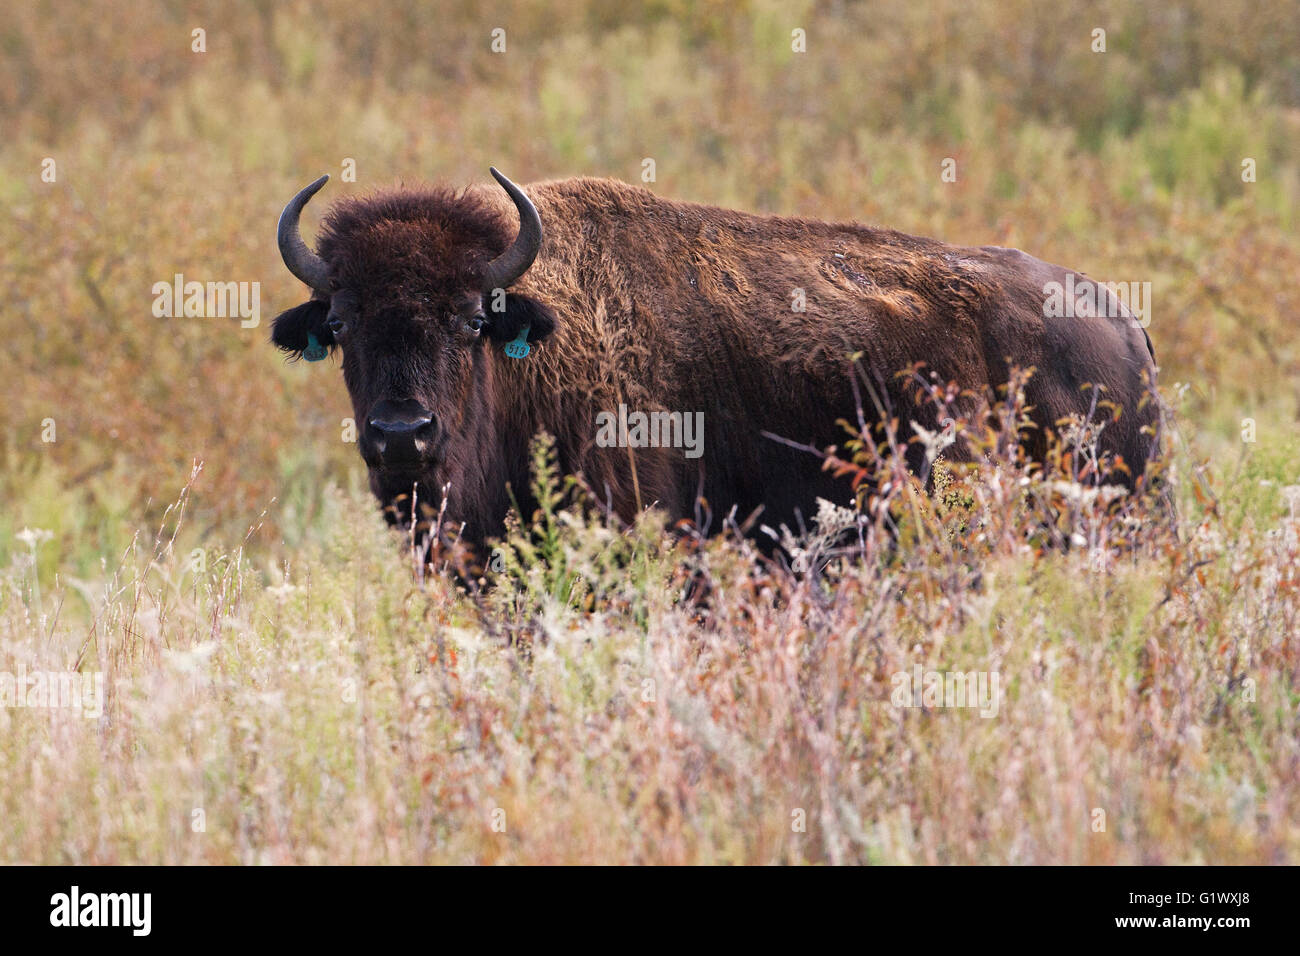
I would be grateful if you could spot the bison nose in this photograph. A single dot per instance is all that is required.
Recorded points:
(401, 432)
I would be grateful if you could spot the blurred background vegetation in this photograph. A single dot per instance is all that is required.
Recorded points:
(1124, 164)
(321, 703)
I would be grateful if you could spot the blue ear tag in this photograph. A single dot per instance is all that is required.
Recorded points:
(519, 347)
(314, 351)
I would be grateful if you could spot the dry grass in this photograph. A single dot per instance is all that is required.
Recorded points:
(272, 661)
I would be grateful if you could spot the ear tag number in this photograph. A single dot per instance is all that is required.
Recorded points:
(518, 347)
(314, 351)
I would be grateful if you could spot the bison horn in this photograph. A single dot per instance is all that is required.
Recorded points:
(300, 260)
(506, 268)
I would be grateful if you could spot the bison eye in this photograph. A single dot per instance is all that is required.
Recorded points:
(337, 325)
(475, 323)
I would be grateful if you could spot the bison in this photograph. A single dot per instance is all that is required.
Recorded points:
(471, 320)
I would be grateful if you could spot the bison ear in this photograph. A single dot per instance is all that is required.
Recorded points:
(521, 311)
(293, 330)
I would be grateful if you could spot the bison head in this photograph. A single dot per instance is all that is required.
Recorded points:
(412, 287)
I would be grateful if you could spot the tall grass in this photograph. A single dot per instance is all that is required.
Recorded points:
(619, 695)
(282, 684)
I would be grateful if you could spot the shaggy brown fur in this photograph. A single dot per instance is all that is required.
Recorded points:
(674, 306)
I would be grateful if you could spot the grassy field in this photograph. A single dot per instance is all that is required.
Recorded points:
(184, 523)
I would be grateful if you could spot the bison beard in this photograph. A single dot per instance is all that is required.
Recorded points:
(664, 306)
